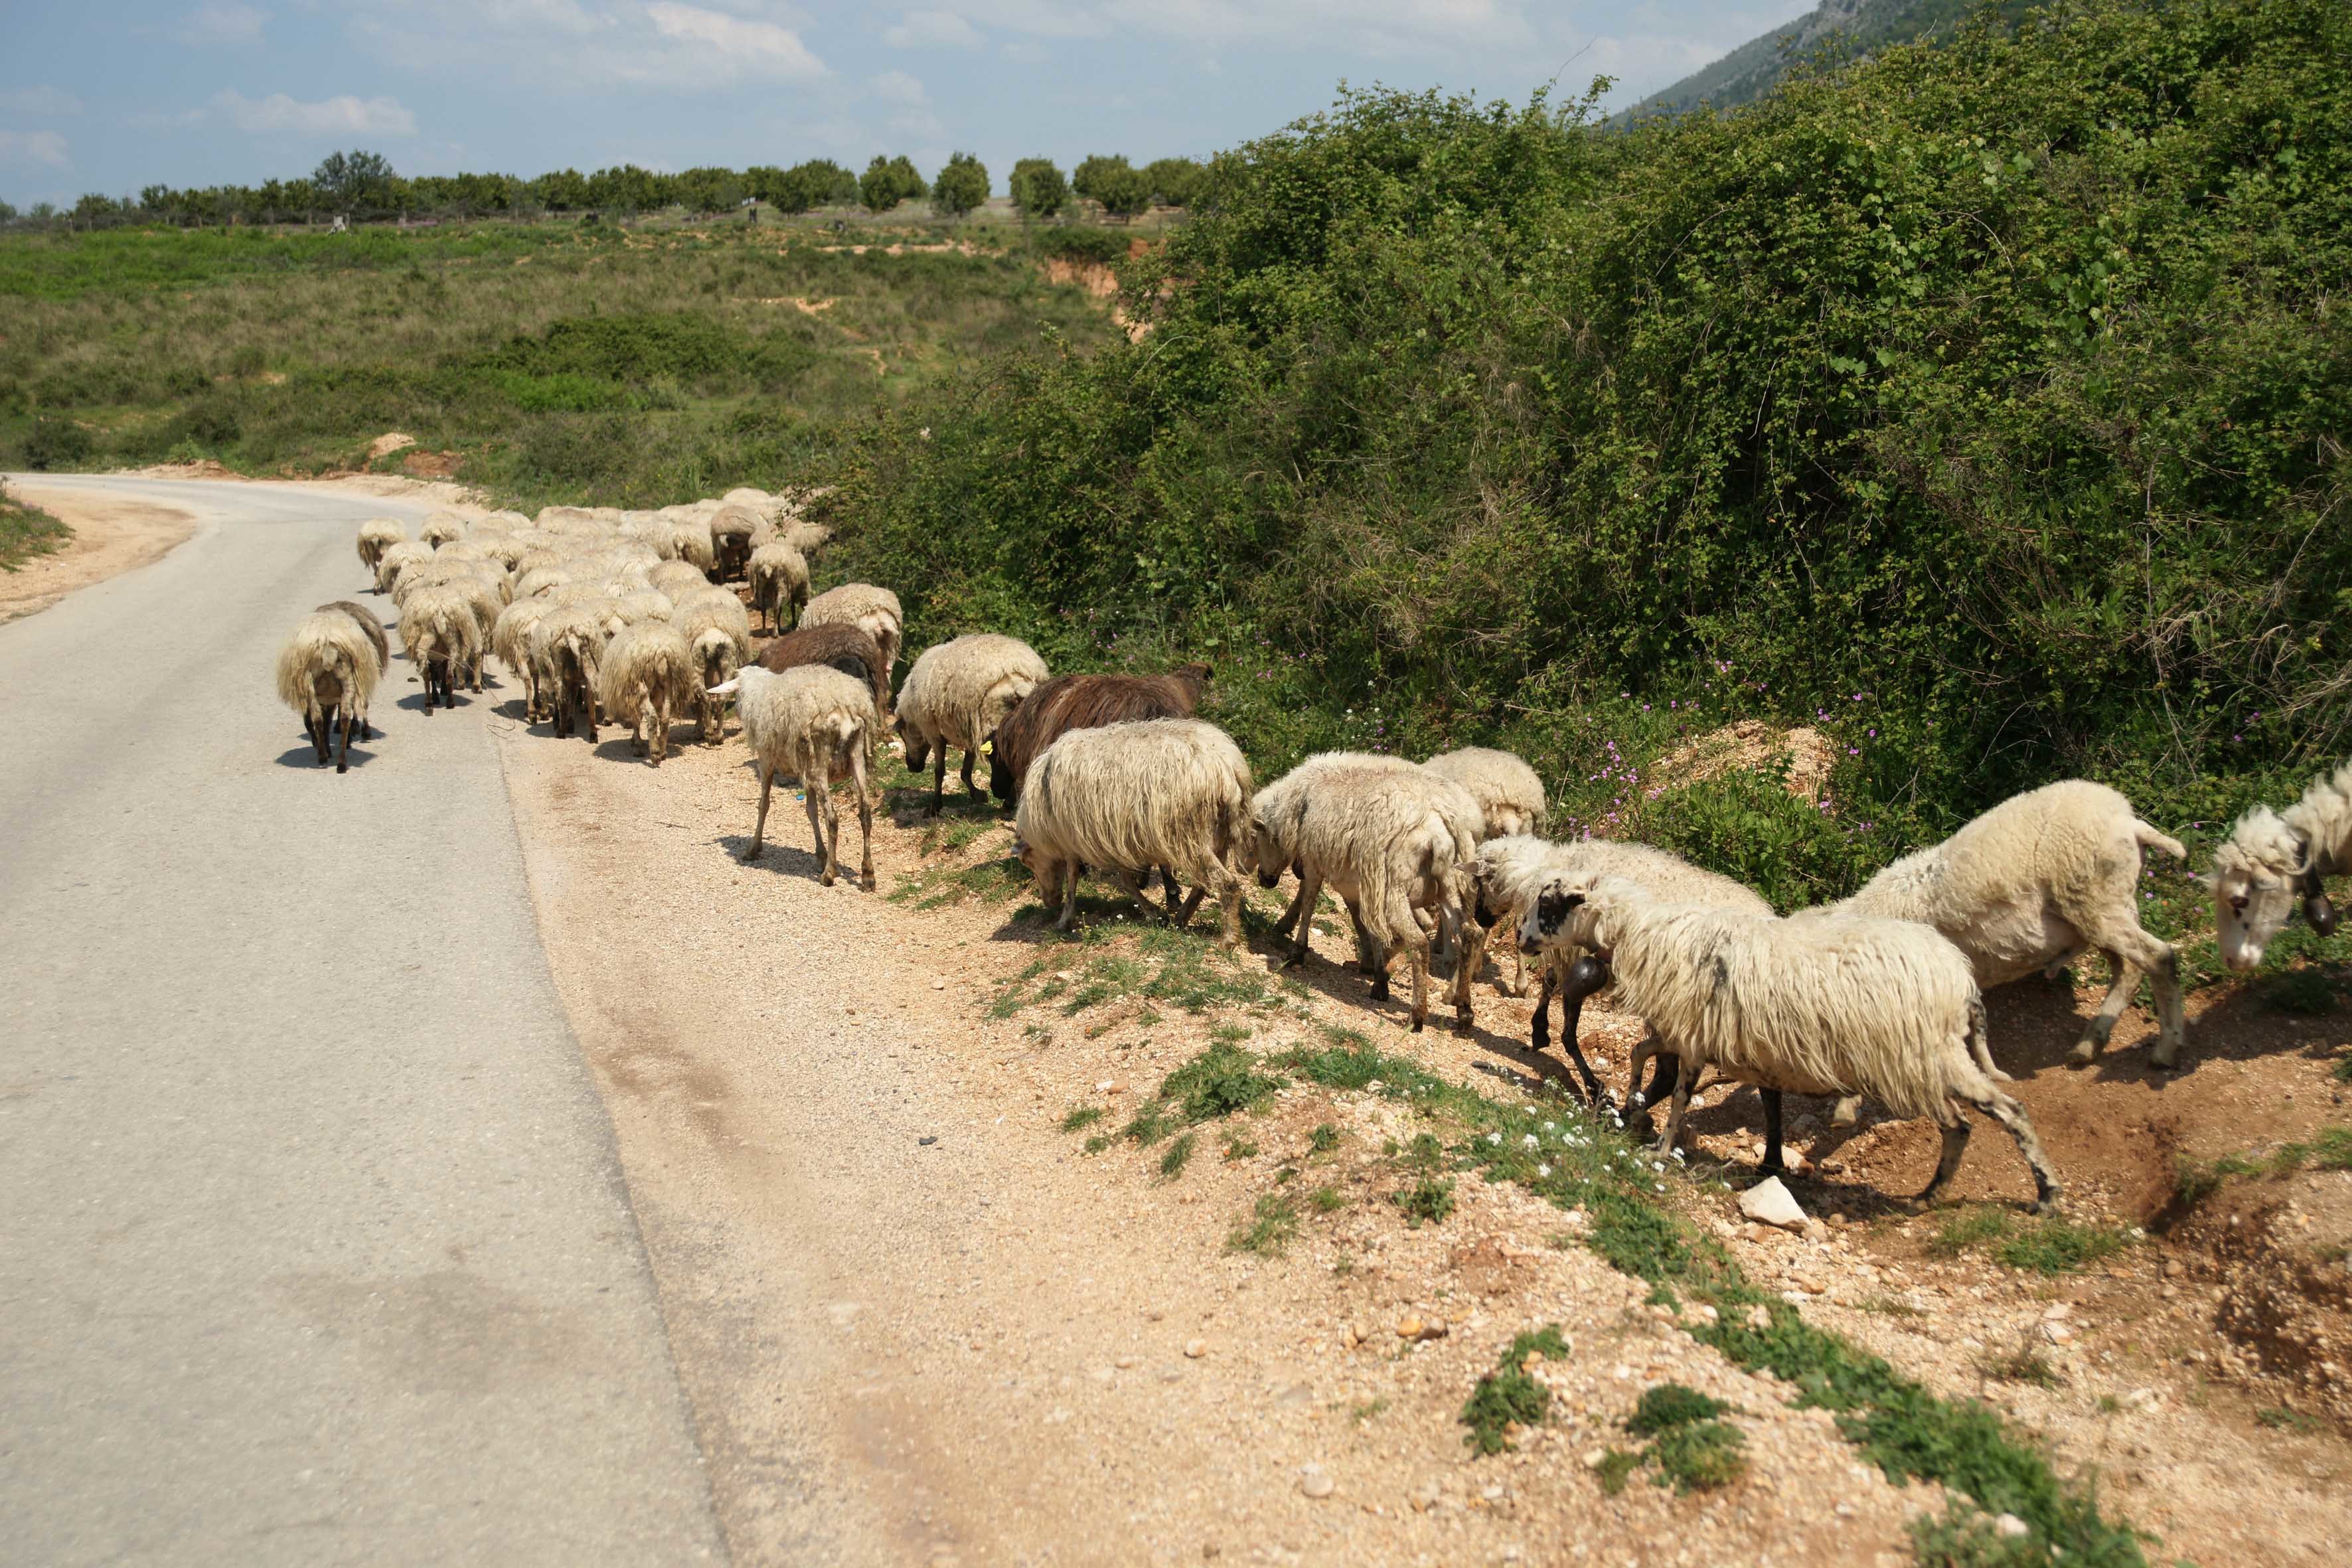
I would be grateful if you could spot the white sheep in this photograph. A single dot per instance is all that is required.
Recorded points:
(378, 534)
(441, 528)
(1820, 1003)
(814, 723)
(689, 541)
(731, 531)
(808, 538)
(956, 695)
(644, 674)
(875, 611)
(780, 577)
(371, 629)
(1278, 806)
(1396, 845)
(398, 557)
(1123, 798)
(2272, 855)
(443, 640)
(565, 646)
(326, 672)
(1535, 892)
(676, 578)
(2031, 884)
(511, 642)
(531, 582)
(1508, 792)
(643, 604)
(719, 634)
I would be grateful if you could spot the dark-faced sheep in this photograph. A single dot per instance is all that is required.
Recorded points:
(443, 640)
(1831, 1004)
(1066, 702)
(816, 724)
(957, 695)
(326, 672)
(1127, 798)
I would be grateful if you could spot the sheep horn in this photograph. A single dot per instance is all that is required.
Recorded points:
(726, 688)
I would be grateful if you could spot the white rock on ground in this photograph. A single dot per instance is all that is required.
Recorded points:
(1768, 1202)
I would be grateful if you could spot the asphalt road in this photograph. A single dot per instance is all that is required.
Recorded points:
(313, 1244)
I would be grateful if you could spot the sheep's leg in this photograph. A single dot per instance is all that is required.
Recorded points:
(2014, 1120)
(661, 728)
(1366, 947)
(343, 756)
(1773, 1165)
(1069, 894)
(1228, 888)
(2103, 1023)
(1955, 1143)
(1180, 918)
(939, 782)
(1540, 1026)
(314, 726)
(810, 792)
(1667, 1067)
(969, 757)
(1585, 977)
(1310, 887)
(1299, 908)
(864, 819)
(1417, 956)
(1474, 953)
(2134, 952)
(1684, 1084)
(1132, 886)
(760, 829)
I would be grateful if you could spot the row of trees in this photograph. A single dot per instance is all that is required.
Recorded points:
(362, 186)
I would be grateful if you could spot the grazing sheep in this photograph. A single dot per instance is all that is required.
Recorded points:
(719, 634)
(378, 534)
(1816, 1003)
(565, 646)
(1280, 803)
(1396, 845)
(875, 611)
(1508, 792)
(644, 605)
(1067, 702)
(372, 629)
(845, 648)
(778, 576)
(808, 538)
(326, 672)
(443, 640)
(676, 578)
(2270, 857)
(1125, 798)
(2031, 884)
(731, 528)
(510, 641)
(689, 541)
(958, 694)
(815, 724)
(1539, 898)
(441, 528)
(397, 558)
(645, 673)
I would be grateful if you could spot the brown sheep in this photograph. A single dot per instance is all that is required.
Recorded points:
(1055, 708)
(845, 648)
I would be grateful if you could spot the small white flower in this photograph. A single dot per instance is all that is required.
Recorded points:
(1494, 1138)
(1542, 1171)
(1677, 1153)
(1657, 1164)
(1551, 1127)
(1529, 1141)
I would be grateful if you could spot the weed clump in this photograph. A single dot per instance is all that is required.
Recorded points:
(1510, 1396)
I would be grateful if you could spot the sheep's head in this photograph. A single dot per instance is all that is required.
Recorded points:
(918, 751)
(1262, 851)
(1548, 920)
(2256, 872)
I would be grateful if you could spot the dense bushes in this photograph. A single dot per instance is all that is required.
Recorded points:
(1994, 392)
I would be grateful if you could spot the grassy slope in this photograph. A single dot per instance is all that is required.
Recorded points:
(27, 531)
(651, 364)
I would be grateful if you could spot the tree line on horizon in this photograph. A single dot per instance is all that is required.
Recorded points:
(361, 187)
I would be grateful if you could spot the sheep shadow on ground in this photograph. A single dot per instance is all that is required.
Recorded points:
(304, 756)
(413, 701)
(781, 858)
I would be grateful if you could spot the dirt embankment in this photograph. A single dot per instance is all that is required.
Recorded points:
(921, 1323)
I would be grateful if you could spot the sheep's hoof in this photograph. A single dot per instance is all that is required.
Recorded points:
(866, 882)
(1999, 1076)
(748, 856)
(1417, 1024)
(2084, 1053)
(1294, 960)
(343, 768)
(824, 879)
(1466, 1025)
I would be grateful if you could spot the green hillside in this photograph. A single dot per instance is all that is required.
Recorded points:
(1846, 28)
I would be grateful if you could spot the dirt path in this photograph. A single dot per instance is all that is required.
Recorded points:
(994, 1330)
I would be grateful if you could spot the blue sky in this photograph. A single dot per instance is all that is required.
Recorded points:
(111, 96)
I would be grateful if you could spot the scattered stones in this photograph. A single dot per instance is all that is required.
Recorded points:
(2008, 1527)
(1196, 1349)
(2057, 1333)
(1810, 1285)
(1595, 1457)
(1769, 1202)
(1315, 1482)
(1413, 1328)
(2174, 1269)
(2058, 1312)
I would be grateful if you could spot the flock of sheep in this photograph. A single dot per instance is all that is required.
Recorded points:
(606, 616)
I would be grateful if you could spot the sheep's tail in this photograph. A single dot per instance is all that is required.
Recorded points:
(2151, 838)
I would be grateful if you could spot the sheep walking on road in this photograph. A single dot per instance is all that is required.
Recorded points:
(510, 644)
(731, 531)
(780, 579)
(872, 610)
(378, 534)
(1067, 702)
(326, 672)
(1125, 798)
(2272, 855)
(1824, 1004)
(443, 641)
(813, 723)
(646, 673)
(1279, 805)
(371, 629)
(398, 557)
(719, 634)
(958, 694)
(565, 646)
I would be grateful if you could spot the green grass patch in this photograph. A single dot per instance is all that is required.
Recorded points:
(1081, 1117)
(1239, 1148)
(1178, 1154)
(2279, 1418)
(1690, 1449)
(1327, 1200)
(1509, 1395)
(1426, 1202)
(934, 887)
(2024, 1364)
(2049, 1245)
(27, 531)
(1323, 1140)
(2309, 992)
(1273, 1222)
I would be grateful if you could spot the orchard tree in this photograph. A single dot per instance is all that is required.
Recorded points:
(962, 186)
(1092, 169)
(348, 181)
(1123, 192)
(889, 181)
(1038, 188)
(1175, 182)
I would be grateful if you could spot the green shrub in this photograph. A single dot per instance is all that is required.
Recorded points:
(962, 186)
(57, 444)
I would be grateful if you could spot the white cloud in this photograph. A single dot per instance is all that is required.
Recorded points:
(743, 47)
(39, 102)
(223, 22)
(1368, 26)
(898, 87)
(44, 149)
(1042, 18)
(327, 117)
(932, 30)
